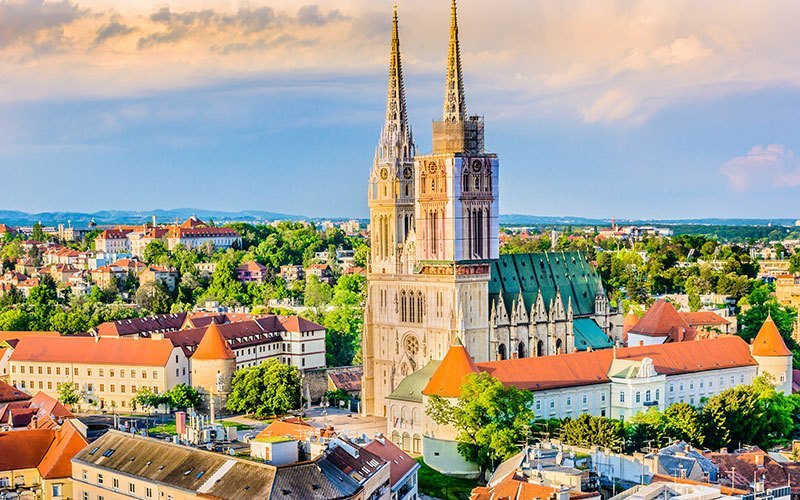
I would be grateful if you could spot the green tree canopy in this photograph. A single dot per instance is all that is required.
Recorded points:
(268, 389)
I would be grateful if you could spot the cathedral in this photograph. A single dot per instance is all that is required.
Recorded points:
(436, 276)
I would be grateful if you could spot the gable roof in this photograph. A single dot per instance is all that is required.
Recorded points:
(295, 429)
(663, 320)
(448, 377)
(569, 273)
(588, 334)
(10, 393)
(24, 449)
(703, 318)
(410, 388)
(213, 345)
(400, 463)
(96, 350)
(769, 341)
(587, 368)
(68, 441)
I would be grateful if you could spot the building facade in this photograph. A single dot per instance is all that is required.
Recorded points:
(435, 272)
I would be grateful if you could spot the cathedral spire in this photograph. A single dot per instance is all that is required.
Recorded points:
(396, 142)
(455, 105)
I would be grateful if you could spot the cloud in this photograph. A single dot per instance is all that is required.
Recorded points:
(773, 166)
(311, 15)
(27, 21)
(111, 30)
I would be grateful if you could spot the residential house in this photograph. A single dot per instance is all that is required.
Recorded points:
(112, 241)
(194, 233)
(105, 276)
(164, 276)
(744, 469)
(35, 463)
(292, 272)
(321, 271)
(251, 272)
(402, 468)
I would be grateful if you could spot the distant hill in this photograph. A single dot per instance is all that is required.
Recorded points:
(105, 217)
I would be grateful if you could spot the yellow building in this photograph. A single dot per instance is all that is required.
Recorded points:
(107, 372)
(787, 290)
(38, 460)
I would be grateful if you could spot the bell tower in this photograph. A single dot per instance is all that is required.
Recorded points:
(391, 185)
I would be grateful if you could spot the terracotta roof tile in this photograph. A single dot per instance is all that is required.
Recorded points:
(57, 462)
(769, 341)
(703, 318)
(99, 350)
(400, 463)
(294, 429)
(662, 320)
(448, 377)
(213, 345)
(586, 368)
(24, 449)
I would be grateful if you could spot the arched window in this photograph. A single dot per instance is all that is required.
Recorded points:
(417, 446)
(501, 352)
(658, 394)
(647, 395)
(521, 350)
(638, 397)
(403, 310)
(559, 343)
(396, 438)
(406, 442)
(415, 417)
(540, 348)
(477, 183)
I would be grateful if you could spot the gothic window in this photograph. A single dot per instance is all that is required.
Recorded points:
(501, 352)
(558, 346)
(540, 348)
(477, 183)
(465, 183)
(412, 314)
(419, 307)
(487, 185)
(521, 350)
(403, 310)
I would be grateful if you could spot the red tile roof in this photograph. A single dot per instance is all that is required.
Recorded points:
(57, 462)
(6, 336)
(586, 368)
(294, 428)
(400, 463)
(662, 320)
(113, 234)
(769, 341)
(160, 323)
(449, 375)
(24, 449)
(213, 345)
(252, 266)
(98, 350)
(514, 488)
(703, 318)
(10, 393)
(776, 474)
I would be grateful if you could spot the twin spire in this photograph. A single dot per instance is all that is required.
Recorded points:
(396, 139)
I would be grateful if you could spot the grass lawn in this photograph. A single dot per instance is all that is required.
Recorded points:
(167, 428)
(239, 427)
(438, 485)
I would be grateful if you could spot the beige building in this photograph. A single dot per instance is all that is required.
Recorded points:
(106, 371)
(787, 290)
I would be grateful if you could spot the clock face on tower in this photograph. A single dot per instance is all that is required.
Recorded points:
(476, 166)
(407, 173)
(432, 168)
(384, 173)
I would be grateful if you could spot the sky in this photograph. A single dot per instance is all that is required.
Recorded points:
(596, 108)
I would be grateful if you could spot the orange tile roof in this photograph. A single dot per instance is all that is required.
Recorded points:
(400, 463)
(213, 345)
(662, 320)
(295, 429)
(9, 392)
(57, 462)
(586, 368)
(448, 377)
(769, 341)
(99, 350)
(704, 318)
(24, 449)
(6, 336)
(514, 488)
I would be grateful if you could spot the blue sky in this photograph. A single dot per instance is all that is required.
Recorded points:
(619, 108)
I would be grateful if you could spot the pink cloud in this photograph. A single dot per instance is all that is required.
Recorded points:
(773, 166)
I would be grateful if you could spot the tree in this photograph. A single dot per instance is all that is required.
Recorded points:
(762, 304)
(317, 293)
(155, 252)
(733, 416)
(794, 262)
(37, 234)
(587, 430)
(146, 398)
(183, 396)
(153, 297)
(491, 419)
(344, 326)
(683, 421)
(270, 388)
(68, 393)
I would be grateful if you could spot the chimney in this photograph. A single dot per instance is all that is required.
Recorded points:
(641, 343)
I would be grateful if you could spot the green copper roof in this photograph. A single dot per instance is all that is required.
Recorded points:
(410, 388)
(589, 334)
(531, 273)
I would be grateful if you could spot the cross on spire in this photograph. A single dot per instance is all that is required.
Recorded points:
(455, 105)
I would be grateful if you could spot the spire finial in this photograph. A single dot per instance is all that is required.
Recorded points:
(455, 107)
(396, 141)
